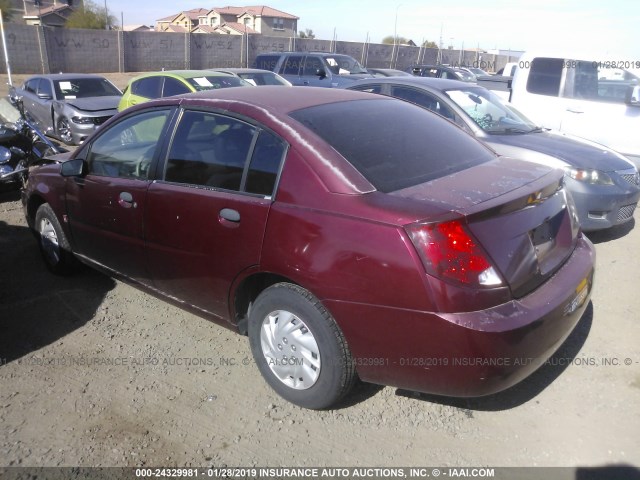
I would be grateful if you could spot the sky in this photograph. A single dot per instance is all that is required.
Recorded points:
(609, 27)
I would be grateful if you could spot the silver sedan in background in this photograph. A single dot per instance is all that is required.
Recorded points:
(69, 106)
(256, 76)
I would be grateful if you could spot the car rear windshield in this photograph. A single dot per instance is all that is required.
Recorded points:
(392, 143)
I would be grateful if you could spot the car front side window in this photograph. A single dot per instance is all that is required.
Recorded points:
(44, 88)
(127, 148)
(424, 100)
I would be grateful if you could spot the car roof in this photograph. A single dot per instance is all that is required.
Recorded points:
(312, 52)
(440, 84)
(183, 74)
(240, 70)
(67, 76)
(272, 98)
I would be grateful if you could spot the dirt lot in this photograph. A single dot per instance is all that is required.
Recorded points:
(95, 373)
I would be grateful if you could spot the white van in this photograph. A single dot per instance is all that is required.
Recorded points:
(584, 95)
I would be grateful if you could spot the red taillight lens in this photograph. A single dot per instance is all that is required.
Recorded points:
(450, 253)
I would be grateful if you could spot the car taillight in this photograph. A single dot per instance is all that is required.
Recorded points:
(449, 252)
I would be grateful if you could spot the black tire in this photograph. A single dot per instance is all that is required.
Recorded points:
(63, 129)
(53, 243)
(317, 367)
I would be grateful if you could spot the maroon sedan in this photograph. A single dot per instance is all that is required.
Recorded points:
(348, 234)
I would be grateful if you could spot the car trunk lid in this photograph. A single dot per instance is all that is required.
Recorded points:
(518, 212)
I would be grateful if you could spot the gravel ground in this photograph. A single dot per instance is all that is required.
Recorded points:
(96, 373)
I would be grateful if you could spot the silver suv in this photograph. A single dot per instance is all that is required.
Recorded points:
(316, 69)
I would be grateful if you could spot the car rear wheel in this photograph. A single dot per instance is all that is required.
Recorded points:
(298, 347)
(53, 243)
(64, 130)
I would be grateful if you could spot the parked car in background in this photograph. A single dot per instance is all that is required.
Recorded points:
(69, 106)
(509, 70)
(604, 184)
(475, 71)
(314, 69)
(442, 71)
(347, 233)
(175, 82)
(255, 76)
(387, 72)
(565, 91)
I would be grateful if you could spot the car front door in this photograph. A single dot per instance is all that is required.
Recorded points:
(105, 206)
(42, 104)
(312, 66)
(426, 100)
(291, 67)
(205, 220)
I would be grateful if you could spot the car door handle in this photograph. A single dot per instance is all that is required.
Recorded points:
(575, 110)
(126, 200)
(229, 217)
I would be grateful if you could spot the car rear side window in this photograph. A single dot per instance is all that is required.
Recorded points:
(265, 164)
(173, 86)
(267, 62)
(544, 76)
(209, 150)
(368, 88)
(292, 65)
(150, 87)
(392, 143)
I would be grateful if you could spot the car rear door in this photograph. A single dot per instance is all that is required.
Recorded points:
(205, 220)
(105, 207)
(31, 101)
(145, 89)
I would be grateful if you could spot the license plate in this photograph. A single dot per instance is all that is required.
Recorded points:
(582, 291)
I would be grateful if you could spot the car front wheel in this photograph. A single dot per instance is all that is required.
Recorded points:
(298, 347)
(64, 130)
(53, 243)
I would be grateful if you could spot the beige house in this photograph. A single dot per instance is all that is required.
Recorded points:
(186, 20)
(234, 21)
(53, 16)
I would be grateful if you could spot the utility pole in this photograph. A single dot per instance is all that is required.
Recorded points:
(4, 47)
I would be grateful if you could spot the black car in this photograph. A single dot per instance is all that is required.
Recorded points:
(442, 71)
(604, 184)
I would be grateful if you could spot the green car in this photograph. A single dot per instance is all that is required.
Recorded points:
(175, 82)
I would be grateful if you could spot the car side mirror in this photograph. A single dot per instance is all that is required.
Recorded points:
(320, 72)
(44, 96)
(73, 168)
(633, 96)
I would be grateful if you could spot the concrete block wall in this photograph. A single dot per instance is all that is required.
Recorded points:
(82, 51)
(152, 51)
(49, 50)
(217, 51)
(26, 48)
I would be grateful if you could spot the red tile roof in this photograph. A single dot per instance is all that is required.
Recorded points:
(258, 11)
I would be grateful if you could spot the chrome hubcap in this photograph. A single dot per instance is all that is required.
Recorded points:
(64, 130)
(290, 349)
(49, 241)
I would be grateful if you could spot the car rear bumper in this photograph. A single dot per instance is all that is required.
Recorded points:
(474, 353)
